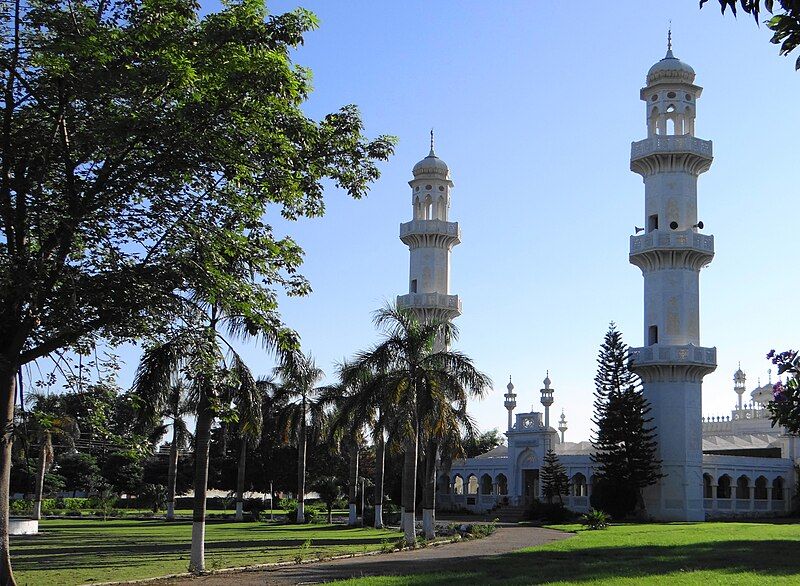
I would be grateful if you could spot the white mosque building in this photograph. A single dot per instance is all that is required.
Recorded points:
(714, 467)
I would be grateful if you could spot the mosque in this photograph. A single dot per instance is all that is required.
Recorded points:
(714, 467)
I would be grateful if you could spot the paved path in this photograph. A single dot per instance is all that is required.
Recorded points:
(444, 557)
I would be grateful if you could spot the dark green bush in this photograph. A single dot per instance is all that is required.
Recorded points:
(618, 501)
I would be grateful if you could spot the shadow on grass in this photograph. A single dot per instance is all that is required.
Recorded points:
(768, 558)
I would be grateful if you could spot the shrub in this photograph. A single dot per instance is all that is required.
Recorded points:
(21, 507)
(480, 530)
(548, 512)
(596, 519)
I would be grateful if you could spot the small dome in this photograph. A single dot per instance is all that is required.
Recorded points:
(510, 386)
(547, 380)
(762, 395)
(739, 375)
(670, 69)
(431, 165)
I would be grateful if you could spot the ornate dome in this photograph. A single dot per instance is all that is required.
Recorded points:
(670, 69)
(431, 165)
(739, 375)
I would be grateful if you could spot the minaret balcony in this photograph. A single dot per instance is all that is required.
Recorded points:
(420, 233)
(665, 153)
(671, 249)
(663, 362)
(448, 304)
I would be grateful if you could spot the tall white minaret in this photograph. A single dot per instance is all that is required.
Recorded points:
(739, 384)
(547, 399)
(670, 254)
(430, 238)
(510, 403)
(562, 425)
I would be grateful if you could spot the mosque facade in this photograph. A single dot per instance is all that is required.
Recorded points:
(713, 467)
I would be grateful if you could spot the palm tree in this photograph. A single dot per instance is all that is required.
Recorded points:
(49, 422)
(414, 370)
(346, 429)
(265, 386)
(217, 378)
(442, 429)
(177, 407)
(302, 415)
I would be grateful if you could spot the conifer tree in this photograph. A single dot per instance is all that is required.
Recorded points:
(625, 442)
(555, 482)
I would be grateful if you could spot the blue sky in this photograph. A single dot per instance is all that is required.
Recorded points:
(535, 105)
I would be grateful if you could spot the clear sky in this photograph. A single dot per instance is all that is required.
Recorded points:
(535, 105)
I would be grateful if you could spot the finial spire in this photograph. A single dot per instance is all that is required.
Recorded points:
(669, 42)
(432, 154)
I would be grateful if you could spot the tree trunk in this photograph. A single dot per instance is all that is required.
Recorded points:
(410, 489)
(353, 500)
(240, 481)
(205, 418)
(380, 457)
(37, 497)
(429, 490)
(8, 387)
(172, 474)
(301, 470)
(330, 514)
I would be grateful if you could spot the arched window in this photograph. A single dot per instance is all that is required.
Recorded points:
(724, 487)
(743, 488)
(428, 208)
(472, 484)
(486, 484)
(652, 122)
(672, 126)
(440, 208)
(777, 489)
(760, 492)
(502, 484)
(417, 209)
(578, 485)
(458, 484)
(708, 489)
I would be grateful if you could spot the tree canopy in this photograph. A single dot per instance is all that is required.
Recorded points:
(784, 25)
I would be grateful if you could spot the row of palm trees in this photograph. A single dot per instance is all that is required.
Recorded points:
(408, 393)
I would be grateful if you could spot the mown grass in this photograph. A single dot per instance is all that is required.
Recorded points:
(84, 551)
(701, 553)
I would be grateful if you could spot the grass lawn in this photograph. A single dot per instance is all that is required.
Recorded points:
(84, 551)
(702, 553)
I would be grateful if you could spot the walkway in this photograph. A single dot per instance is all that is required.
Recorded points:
(462, 556)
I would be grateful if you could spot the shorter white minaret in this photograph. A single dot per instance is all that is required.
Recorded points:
(739, 384)
(510, 402)
(547, 400)
(562, 425)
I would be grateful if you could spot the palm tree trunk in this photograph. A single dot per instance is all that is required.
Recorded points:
(429, 490)
(172, 474)
(205, 418)
(240, 481)
(8, 388)
(353, 500)
(37, 497)
(301, 470)
(380, 457)
(410, 489)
